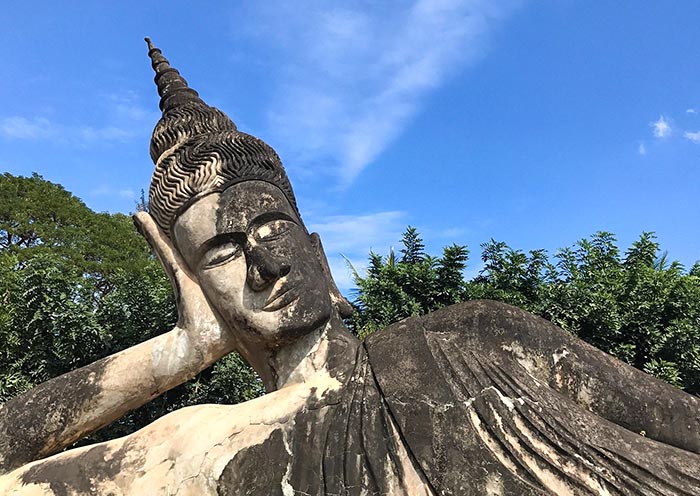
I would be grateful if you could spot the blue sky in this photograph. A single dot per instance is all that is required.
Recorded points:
(535, 123)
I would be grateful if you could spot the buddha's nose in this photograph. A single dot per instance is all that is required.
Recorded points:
(264, 268)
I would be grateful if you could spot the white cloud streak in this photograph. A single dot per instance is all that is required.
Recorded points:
(661, 128)
(124, 120)
(642, 150)
(41, 129)
(353, 237)
(692, 136)
(356, 73)
(691, 111)
(18, 127)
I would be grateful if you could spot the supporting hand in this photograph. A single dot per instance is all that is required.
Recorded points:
(195, 316)
(58, 412)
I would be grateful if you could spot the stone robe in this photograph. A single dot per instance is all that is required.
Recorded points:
(493, 400)
(332, 436)
(476, 399)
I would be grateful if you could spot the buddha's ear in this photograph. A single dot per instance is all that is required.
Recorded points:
(344, 307)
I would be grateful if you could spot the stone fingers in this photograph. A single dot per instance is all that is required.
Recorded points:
(175, 267)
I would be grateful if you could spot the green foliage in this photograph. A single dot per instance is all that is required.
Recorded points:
(40, 217)
(413, 247)
(638, 307)
(76, 286)
(413, 285)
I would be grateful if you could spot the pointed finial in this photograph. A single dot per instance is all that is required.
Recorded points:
(197, 148)
(172, 87)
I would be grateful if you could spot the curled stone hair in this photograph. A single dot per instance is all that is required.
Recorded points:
(197, 149)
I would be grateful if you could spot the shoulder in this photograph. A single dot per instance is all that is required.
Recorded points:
(490, 323)
(440, 349)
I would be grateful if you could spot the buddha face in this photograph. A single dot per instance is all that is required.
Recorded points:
(255, 262)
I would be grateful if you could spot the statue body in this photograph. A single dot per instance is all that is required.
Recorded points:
(321, 436)
(478, 398)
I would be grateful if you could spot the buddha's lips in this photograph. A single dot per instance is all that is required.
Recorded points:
(280, 299)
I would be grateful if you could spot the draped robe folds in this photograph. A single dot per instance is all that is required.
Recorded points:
(342, 444)
(338, 441)
(476, 399)
(493, 400)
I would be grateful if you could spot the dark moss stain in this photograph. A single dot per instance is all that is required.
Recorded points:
(256, 470)
(24, 432)
(79, 474)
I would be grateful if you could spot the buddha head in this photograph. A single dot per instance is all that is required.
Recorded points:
(224, 200)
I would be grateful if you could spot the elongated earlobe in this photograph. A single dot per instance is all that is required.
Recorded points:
(344, 307)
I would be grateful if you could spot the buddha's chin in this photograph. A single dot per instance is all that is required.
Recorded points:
(290, 322)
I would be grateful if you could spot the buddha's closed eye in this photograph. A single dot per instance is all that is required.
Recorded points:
(226, 249)
(273, 230)
(220, 254)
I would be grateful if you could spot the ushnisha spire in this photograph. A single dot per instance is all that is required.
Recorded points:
(197, 149)
(184, 113)
(172, 87)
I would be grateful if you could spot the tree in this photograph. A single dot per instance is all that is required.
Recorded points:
(76, 286)
(638, 307)
(413, 285)
(450, 280)
(37, 216)
(413, 247)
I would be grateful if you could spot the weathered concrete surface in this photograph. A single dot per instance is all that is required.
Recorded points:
(319, 437)
(438, 407)
(483, 399)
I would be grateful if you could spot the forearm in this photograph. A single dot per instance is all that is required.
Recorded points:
(604, 385)
(62, 410)
(627, 396)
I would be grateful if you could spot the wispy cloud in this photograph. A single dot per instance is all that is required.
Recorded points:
(125, 108)
(104, 190)
(18, 127)
(42, 129)
(692, 136)
(356, 73)
(123, 120)
(89, 134)
(353, 236)
(661, 127)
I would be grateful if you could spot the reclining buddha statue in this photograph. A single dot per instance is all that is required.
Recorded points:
(478, 398)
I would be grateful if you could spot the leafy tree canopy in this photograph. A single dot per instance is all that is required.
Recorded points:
(40, 217)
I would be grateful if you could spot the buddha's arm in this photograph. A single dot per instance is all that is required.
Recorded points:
(62, 410)
(498, 333)
(606, 386)
(626, 396)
